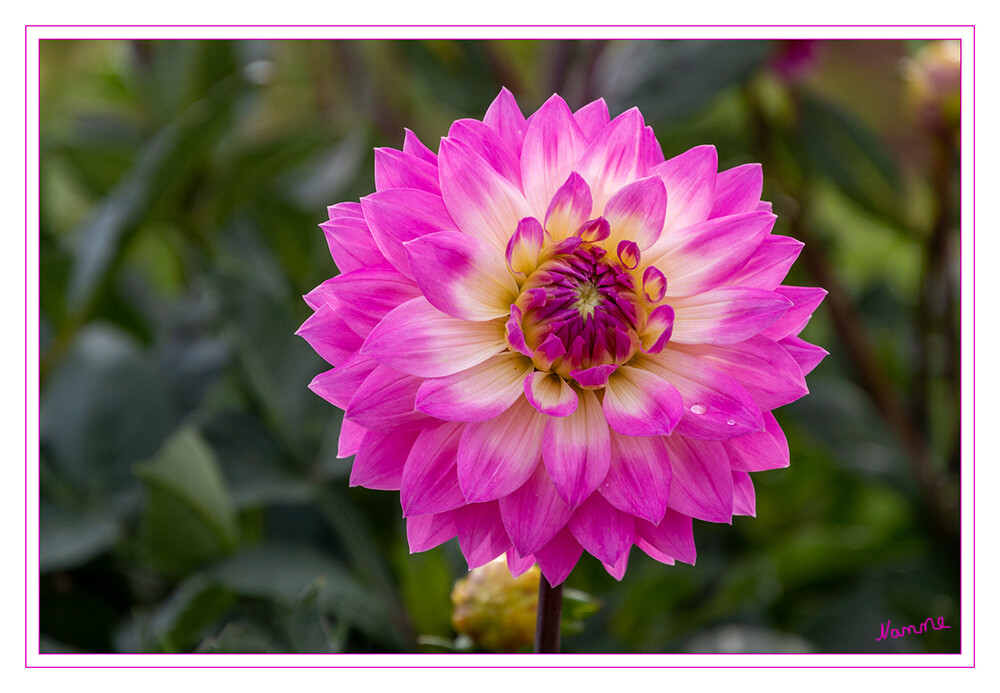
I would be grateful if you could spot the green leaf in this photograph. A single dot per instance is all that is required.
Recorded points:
(180, 621)
(104, 409)
(671, 80)
(189, 516)
(458, 73)
(836, 145)
(240, 637)
(298, 576)
(67, 540)
(277, 365)
(162, 162)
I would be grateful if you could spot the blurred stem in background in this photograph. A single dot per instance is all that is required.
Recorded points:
(935, 314)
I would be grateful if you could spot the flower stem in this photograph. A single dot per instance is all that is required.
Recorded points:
(549, 616)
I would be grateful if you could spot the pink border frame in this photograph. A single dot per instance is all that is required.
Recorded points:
(543, 661)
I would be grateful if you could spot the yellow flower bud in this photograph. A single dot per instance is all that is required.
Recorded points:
(495, 610)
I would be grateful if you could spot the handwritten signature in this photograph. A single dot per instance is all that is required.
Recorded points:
(885, 632)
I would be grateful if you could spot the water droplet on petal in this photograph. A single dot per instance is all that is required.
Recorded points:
(698, 408)
(730, 422)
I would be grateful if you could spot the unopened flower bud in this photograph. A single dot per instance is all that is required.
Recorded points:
(933, 78)
(496, 610)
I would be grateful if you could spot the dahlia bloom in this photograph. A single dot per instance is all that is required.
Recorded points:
(551, 340)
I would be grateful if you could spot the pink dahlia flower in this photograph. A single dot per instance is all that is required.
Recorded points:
(550, 340)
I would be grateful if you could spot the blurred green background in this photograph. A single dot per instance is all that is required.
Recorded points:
(191, 499)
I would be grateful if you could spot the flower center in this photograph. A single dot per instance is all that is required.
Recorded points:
(580, 310)
(588, 298)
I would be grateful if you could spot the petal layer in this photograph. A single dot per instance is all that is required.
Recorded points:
(577, 450)
(462, 277)
(638, 402)
(419, 339)
(478, 393)
(496, 457)
(638, 480)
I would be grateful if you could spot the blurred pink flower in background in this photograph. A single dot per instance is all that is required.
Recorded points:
(551, 340)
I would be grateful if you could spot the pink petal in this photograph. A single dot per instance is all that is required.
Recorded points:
(706, 255)
(614, 158)
(764, 368)
(702, 482)
(553, 144)
(602, 530)
(570, 207)
(518, 565)
(717, 407)
(806, 300)
(481, 535)
(524, 246)
(653, 552)
(769, 264)
(462, 277)
(489, 145)
(618, 568)
(549, 394)
(478, 393)
(652, 151)
(628, 254)
(577, 450)
(396, 169)
(737, 190)
(690, 182)
(350, 242)
(744, 499)
(593, 118)
(514, 333)
(654, 286)
(505, 118)
(378, 463)
(548, 351)
(595, 376)
(350, 438)
(807, 355)
(314, 299)
(384, 402)
(327, 333)
(483, 203)
(419, 339)
(366, 295)
(638, 480)
(673, 536)
(534, 513)
(400, 215)
(496, 457)
(640, 403)
(429, 482)
(343, 211)
(557, 558)
(659, 326)
(726, 316)
(414, 147)
(757, 452)
(337, 386)
(636, 212)
(594, 230)
(424, 532)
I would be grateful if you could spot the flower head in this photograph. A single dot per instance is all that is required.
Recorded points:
(551, 340)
